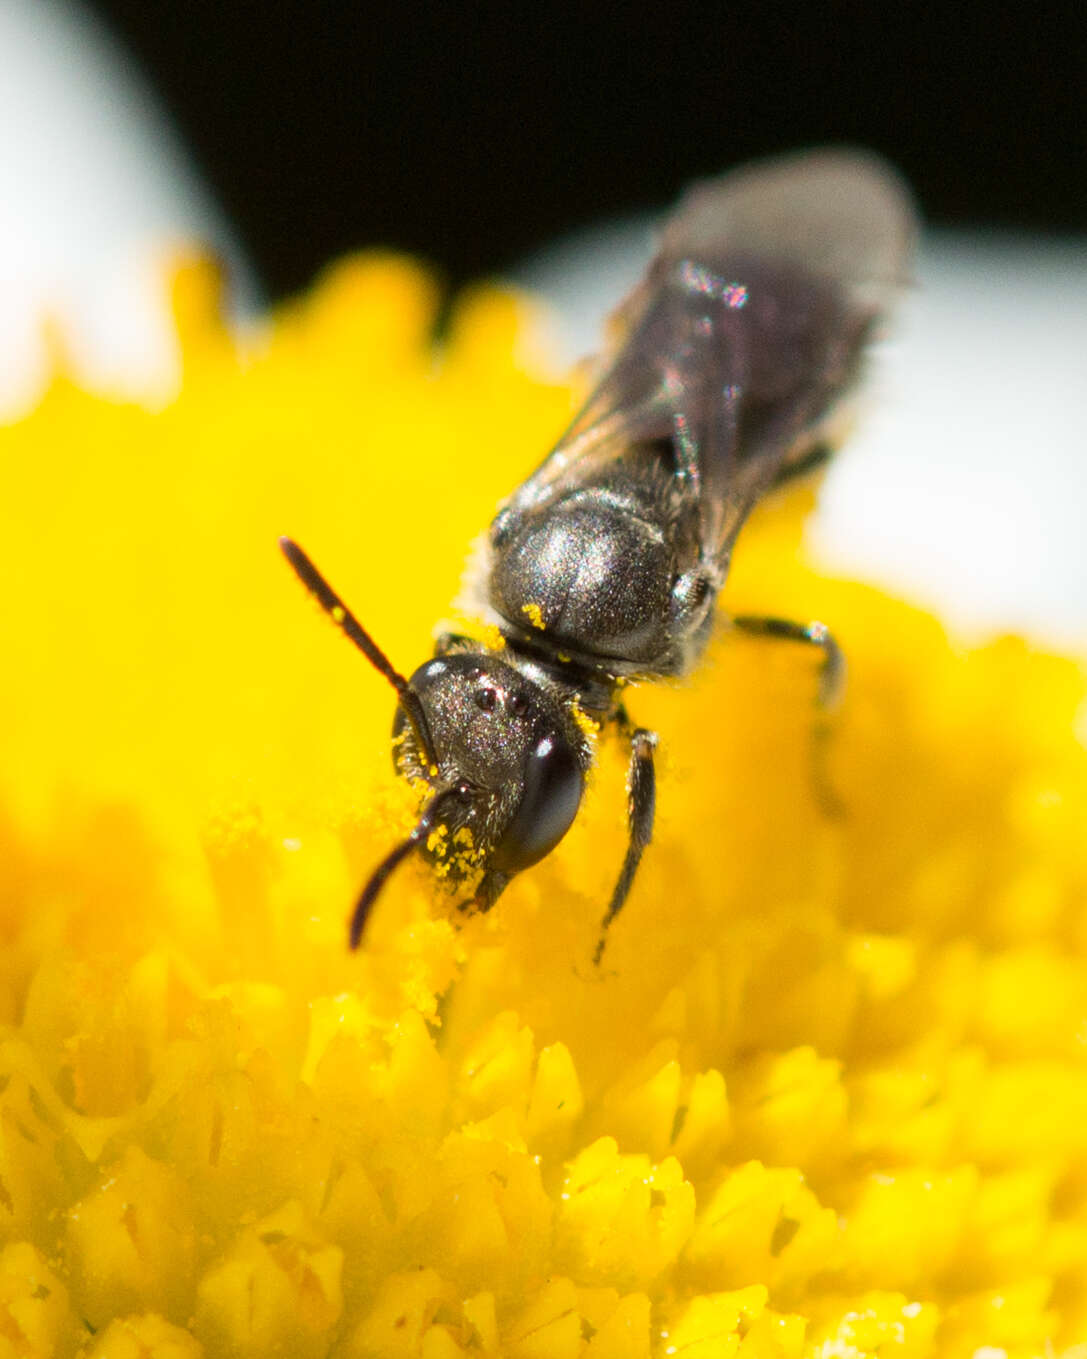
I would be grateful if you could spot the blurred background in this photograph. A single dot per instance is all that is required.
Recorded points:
(474, 135)
(487, 140)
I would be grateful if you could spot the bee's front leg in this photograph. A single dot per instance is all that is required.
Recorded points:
(447, 642)
(641, 806)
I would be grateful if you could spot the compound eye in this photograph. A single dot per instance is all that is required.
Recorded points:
(553, 783)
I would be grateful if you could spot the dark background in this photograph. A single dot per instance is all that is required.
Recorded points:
(472, 134)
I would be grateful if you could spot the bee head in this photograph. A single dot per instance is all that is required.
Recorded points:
(504, 765)
(503, 742)
(505, 769)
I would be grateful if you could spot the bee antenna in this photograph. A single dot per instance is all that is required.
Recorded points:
(419, 834)
(351, 628)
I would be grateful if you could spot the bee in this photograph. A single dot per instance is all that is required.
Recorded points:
(729, 362)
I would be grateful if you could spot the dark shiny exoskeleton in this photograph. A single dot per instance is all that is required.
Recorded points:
(604, 567)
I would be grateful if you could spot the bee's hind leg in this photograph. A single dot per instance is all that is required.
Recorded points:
(813, 459)
(828, 695)
(641, 806)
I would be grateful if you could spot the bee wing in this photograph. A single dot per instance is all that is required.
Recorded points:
(747, 328)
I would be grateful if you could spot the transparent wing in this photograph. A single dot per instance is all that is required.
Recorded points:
(746, 329)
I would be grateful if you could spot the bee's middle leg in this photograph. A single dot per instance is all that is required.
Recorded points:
(831, 685)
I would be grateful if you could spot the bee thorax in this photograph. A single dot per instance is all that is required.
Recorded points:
(593, 576)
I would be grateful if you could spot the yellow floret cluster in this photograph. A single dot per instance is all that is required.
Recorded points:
(827, 1095)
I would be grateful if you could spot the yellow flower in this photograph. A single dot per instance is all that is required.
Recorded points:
(828, 1096)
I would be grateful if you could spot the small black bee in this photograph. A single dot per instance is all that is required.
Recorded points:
(733, 353)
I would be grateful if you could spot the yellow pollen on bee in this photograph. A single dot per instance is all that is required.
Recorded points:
(588, 725)
(534, 615)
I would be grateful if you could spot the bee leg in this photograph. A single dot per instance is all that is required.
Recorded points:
(446, 642)
(811, 461)
(641, 804)
(828, 696)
